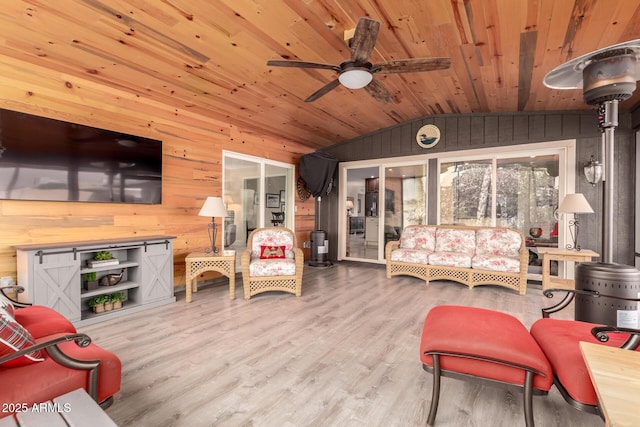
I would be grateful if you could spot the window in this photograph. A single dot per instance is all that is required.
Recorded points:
(466, 192)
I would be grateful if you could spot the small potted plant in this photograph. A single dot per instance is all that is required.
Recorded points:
(97, 303)
(116, 299)
(101, 259)
(90, 281)
(108, 304)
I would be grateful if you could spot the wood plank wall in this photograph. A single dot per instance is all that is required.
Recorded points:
(192, 166)
(472, 131)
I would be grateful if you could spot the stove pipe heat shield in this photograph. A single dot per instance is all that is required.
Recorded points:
(317, 170)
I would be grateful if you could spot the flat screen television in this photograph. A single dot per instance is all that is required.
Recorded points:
(46, 159)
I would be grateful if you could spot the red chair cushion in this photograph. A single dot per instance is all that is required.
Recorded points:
(488, 334)
(43, 381)
(42, 321)
(560, 341)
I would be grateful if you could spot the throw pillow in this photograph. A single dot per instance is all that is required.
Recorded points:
(270, 252)
(7, 305)
(13, 337)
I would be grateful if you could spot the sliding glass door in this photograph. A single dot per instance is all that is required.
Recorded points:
(405, 199)
(361, 220)
(379, 203)
(257, 193)
(517, 187)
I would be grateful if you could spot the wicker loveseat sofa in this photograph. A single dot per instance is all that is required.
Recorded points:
(465, 254)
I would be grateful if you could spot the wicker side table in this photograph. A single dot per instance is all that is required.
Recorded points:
(199, 262)
(561, 254)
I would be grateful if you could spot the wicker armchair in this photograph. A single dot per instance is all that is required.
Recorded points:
(272, 262)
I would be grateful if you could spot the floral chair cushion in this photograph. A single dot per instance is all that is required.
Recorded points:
(456, 240)
(498, 242)
(418, 237)
(276, 236)
(414, 256)
(272, 267)
(496, 263)
(450, 259)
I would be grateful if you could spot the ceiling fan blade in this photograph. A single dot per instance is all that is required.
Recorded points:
(323, 90)
(412, 65)
(364, 40)
(379, 92)
(301, 64)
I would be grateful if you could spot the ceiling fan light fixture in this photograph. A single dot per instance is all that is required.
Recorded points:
(355, 78)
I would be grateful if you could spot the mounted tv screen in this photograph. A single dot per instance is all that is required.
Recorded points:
(46, 159)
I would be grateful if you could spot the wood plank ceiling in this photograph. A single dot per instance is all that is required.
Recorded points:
(209, 56)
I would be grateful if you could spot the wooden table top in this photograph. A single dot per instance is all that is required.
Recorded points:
(615, 374)
(570, 252)
(227, 253)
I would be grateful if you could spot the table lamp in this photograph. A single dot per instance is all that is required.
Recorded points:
(349, 206)
(575, 204)
(213, 207)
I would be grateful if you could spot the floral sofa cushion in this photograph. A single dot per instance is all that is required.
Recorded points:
(414, 256)
(461, 241)
(498, 242)
(272, 267)
(450, 259)
(272, 237)
(418, 237)
(496, 263)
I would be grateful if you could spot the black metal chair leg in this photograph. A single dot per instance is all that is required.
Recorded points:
(528, 399)
(435, 394)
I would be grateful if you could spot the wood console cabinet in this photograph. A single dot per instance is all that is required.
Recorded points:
(52, 275)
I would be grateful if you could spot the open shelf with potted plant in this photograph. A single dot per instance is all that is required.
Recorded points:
(103, 304)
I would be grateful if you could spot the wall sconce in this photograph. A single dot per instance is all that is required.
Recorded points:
(593, 171)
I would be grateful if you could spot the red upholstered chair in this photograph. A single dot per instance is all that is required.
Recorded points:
(67, 360)
(559, 340)
(480, 344)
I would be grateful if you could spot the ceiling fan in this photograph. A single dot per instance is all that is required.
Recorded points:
(357, 72)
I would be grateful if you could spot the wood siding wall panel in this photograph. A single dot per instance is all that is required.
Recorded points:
(471, 131)
(192, 166)
(520, 128)
(505, 130)
(477, 132)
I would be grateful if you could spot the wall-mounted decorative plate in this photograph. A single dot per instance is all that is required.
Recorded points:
(428, 136)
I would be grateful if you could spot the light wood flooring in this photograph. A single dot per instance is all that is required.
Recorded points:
(343, 354)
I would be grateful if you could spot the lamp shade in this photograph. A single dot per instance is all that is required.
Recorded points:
(213, 207)
(575, 203)
(355, 78)
(349, 205)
